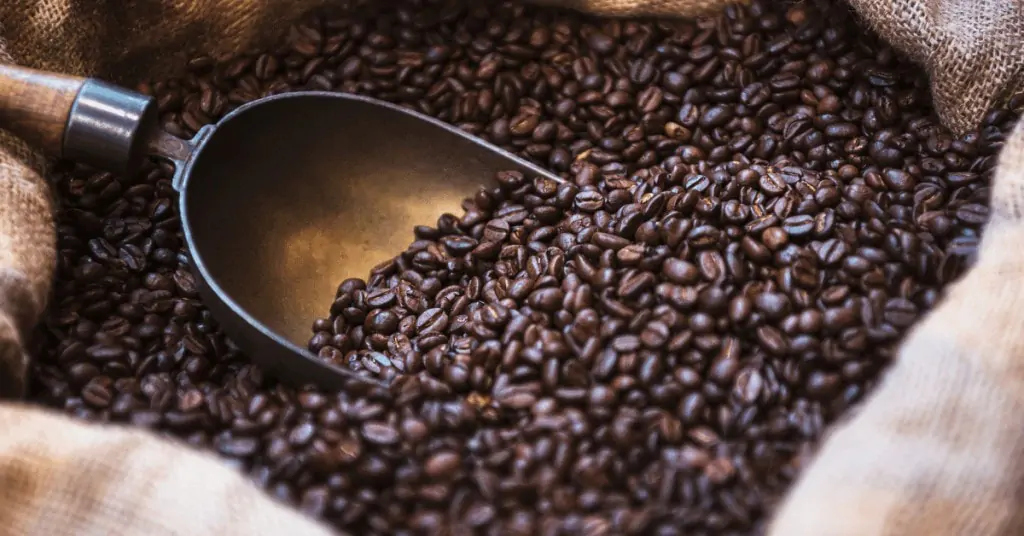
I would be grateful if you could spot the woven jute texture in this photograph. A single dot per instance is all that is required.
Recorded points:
(937, 449)
(63, 478)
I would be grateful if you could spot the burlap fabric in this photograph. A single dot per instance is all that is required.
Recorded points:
(936, 450)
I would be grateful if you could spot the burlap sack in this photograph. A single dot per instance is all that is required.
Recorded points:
(934, 451)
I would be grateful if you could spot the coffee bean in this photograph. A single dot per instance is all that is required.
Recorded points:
(973, 214)
(479, 515)
(601, 43)
(431, 321)
(796, 226)
(716, 116)
(516, 400)
(236, 447)
(496, 230)
(900, 312)
(96, 394)
(748, 386)
(961, 178)
(773, 305)
(610, 241)
(589, 201)
(775, 238)
(442, 465)
(772, 184)
(632, 285)
(548, 299)
(680, 272)
(822, 384)
(380, 433)
(382, 298)
(832, 251)
(712, 265)
(898, 180)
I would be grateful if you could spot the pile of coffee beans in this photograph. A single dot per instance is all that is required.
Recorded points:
(755, 208)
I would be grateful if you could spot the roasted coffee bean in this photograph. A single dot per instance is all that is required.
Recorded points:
(589, 201)
(379, 433)
(431, 321)
(442, 465)
(755, 210)
(802, 225)
(680, 272)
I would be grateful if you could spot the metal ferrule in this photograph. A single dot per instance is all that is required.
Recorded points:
(104, 127)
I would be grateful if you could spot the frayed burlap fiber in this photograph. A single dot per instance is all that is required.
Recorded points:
(936, 450)
(970, 49)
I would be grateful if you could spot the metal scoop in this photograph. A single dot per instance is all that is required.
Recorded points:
(280, 201)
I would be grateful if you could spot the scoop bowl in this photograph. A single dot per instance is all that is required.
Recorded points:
(289, 195)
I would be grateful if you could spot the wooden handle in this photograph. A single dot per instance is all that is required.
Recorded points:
(35, 105)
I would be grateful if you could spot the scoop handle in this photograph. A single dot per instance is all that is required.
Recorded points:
(35, 105)
(81, 119)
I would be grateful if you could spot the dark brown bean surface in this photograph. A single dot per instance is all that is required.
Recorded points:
(750, 224)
